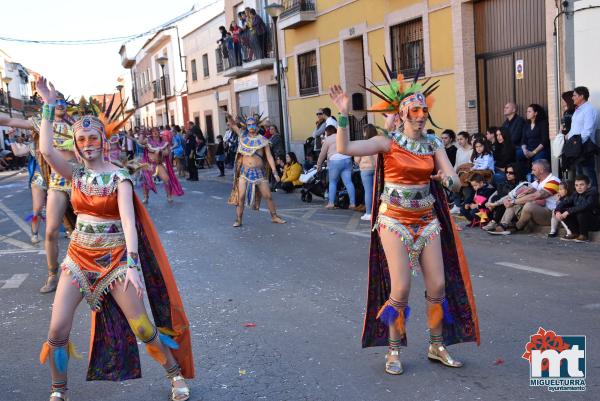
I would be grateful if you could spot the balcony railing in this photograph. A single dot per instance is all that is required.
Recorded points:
(297, 13)
(157, 87)
(251, 52)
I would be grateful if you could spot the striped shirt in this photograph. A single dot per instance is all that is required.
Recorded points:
(549, 184)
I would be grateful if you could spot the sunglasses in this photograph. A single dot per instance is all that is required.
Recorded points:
(319, 114)
(510, 172)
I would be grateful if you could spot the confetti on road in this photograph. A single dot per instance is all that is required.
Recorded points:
(249, 324)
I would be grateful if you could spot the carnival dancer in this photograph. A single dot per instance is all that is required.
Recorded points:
(251, 176)
(39, 189)
(113, 246)
(157, 154)
(412, 228)
(58, 209)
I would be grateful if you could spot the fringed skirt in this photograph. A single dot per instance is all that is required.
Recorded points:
(408, 212)
(96, 257)
(252, 176)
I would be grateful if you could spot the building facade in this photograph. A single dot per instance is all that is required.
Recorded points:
(473, 48)
(209, 95)
(159, 96)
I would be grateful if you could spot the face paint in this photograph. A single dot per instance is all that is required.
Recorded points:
(89, 145)
(417, 117)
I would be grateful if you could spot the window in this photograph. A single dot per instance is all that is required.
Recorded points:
(308, 74)
(194, 72)
(205, 65)
(407, 47)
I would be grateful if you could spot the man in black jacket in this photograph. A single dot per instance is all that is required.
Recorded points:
(190, 150)
(514, 124)
(580, 211)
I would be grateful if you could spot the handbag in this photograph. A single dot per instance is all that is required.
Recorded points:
(573, 147)
(558, 144)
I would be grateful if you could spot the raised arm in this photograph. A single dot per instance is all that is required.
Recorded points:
(367, 147)
(50, 154)
(232, 125)
(16, 123)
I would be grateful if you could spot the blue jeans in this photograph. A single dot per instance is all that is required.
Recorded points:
(343, 168)
(367, 181)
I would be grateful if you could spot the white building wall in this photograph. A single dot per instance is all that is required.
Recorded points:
(586, 42)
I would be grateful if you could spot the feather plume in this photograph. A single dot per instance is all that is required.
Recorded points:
(168, 341)
(435, 313)
(44, 352)
(61, 359)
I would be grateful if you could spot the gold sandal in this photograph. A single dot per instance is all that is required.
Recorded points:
(435, 354)
(393, 367)
(238, 223)
(179, 393)
(59, 394)
(277, 220)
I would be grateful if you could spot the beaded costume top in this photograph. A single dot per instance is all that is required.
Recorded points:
(95, 193)
(249, 145)
(410, 161)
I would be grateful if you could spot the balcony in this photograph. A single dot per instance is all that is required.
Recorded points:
(252, 53)
(297, 13)
(157, 88)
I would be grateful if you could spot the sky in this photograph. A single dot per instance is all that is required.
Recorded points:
(83, 70)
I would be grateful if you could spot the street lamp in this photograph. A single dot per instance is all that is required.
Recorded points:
(7, 80)
(163, 60)
(275, 10)
(120, 89)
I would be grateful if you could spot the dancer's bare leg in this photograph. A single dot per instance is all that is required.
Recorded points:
(400, 277)
(265, 192)
(134, 310)
(56, 206)
(38, 199)
(432, 266)
(164, 176)
(239, 209)
(65, 302)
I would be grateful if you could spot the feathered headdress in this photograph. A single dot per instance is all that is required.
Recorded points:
(103, 112)
(396, 97)
(258, 118)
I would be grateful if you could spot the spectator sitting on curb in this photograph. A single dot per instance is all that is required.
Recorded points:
(292, 170)
(580, 211)
(475, 203)
(536, 206)
(564, 191)
(496, 202)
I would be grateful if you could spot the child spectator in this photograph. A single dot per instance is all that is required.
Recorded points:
(482, 157)
(474, 207)
(563, 193)
(580, 211)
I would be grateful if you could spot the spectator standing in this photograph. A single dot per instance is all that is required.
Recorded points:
(583, 126)
(276, 141)
(533, 207)
(535, 139)
(319, 131)
(178, 151)
(568, 108)
(220, 156)
(259, 26)
(230, 144)
(329, 119)
(338, 165)
(20, 152)
(367, 172)
(449, 137)
(191, 144)
(292, 170)
(580, 211)
(513, 124)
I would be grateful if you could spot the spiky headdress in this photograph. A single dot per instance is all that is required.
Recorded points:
(396, 97)
(102, 112)
(256, 117)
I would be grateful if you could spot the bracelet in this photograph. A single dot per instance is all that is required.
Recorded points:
(48, 112)
(448, 182)
(133, 261)
(342, 121)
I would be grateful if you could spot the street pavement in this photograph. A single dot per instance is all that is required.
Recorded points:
(276, 311)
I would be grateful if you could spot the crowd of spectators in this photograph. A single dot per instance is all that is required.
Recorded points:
(246, 40)
(15, 152)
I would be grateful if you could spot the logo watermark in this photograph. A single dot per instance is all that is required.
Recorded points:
(556, 362)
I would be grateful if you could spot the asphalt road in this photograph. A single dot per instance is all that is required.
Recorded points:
(303, 285)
